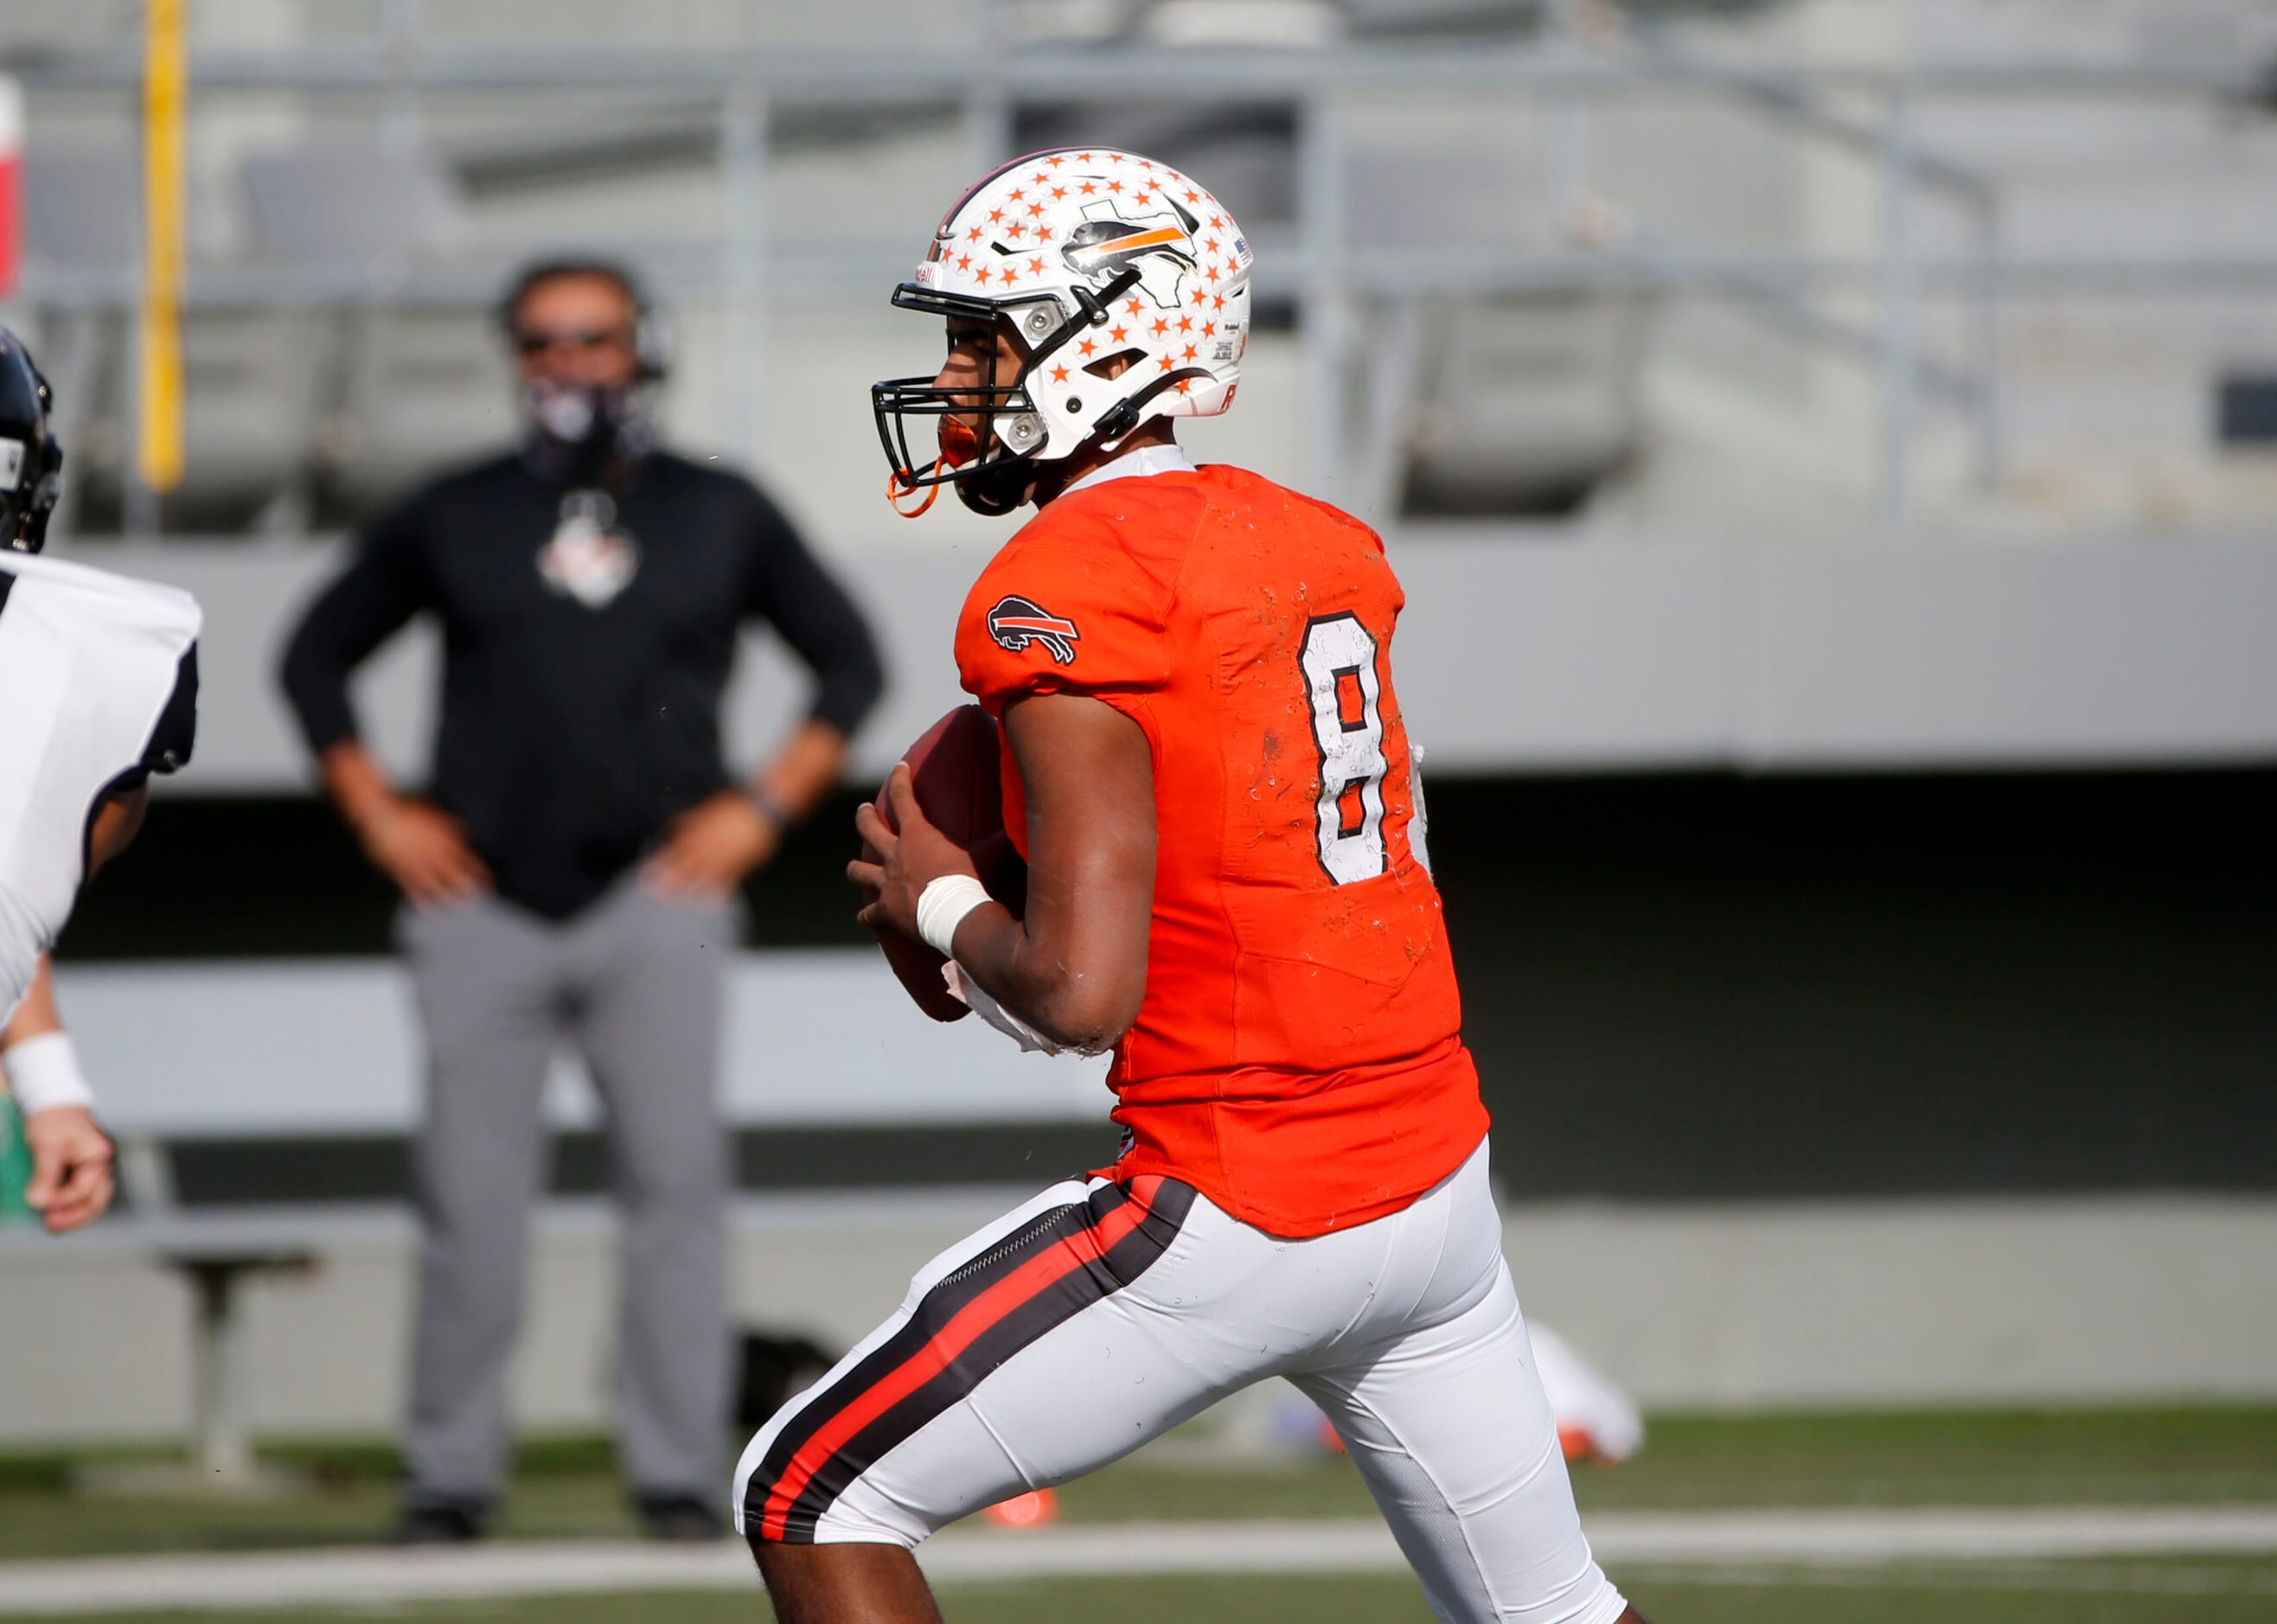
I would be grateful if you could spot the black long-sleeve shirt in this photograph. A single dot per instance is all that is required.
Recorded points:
(580, 706)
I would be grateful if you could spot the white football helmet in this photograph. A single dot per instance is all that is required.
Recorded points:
(1088, 257)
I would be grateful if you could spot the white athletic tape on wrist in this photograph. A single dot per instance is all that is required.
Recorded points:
(941, 908)
(43, 1074)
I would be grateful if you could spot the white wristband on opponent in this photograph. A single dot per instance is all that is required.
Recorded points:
(43, 1074)
(941, 908)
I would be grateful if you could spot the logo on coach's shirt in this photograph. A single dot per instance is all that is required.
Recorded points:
(589, 558)
(1015, 622)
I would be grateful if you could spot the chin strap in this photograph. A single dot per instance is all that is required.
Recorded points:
(897, 487)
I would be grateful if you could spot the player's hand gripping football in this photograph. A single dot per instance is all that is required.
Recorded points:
(71, 1181)
(912, 854)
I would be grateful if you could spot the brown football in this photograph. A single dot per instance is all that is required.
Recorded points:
(956, 768)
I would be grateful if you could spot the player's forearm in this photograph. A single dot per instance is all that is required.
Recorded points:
(357, 784)
(36, 1016)
(1074, 964)
(802, 772)
(37, 1055)
(1070, 996)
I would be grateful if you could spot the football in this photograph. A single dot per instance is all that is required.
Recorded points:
(955, 768)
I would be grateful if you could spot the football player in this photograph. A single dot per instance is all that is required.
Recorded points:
(1210, 779)
(98, 689)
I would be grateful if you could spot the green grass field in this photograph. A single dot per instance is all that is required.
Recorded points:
(2058, 1593)
(563, 1489)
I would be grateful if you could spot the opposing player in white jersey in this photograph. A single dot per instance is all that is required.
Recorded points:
(98, 690)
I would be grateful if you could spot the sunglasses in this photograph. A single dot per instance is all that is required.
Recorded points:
(531, 341)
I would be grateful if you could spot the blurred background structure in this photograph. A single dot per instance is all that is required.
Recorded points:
(1830, 446)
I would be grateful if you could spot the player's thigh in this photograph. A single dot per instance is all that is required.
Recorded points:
(1449, 1425)
(1045, 1345)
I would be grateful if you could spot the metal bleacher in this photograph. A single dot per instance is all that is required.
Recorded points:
(300, 405)
(790, 1046)
(1577, 226)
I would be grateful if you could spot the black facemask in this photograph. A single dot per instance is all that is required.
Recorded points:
(582, 434)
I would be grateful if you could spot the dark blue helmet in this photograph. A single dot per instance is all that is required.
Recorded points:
(31, 462)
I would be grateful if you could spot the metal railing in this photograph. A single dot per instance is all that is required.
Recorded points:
(1326, 273)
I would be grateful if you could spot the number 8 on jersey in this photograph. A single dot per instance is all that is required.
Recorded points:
(1347, 697)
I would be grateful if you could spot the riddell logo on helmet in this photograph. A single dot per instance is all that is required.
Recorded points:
(1018, 623)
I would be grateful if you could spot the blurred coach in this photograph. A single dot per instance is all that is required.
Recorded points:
(573, 880)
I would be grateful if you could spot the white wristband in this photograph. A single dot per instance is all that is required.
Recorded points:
(43, 1074)
(941, 908)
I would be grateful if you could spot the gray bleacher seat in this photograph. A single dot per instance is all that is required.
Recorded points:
(1520, 403)
(251, 379)
(424, 389)
(82, 220)
(353, 204)
(252, 383)
(1246, 152)
(82, 208)
(1526, 404)
(259, 385)
(417, 388)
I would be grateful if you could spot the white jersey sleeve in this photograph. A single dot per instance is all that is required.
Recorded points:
(97, 683)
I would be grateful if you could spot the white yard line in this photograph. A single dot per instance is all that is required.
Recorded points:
(2052, 1577)
(1932, 1533)
(1697, 1540)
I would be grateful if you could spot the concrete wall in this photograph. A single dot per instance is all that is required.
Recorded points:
(1525, 651)
(1783, 1305)
(813, 1039)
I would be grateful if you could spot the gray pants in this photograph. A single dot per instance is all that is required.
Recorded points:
(636, 986)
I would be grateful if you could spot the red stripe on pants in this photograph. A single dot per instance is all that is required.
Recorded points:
(1031, 1280)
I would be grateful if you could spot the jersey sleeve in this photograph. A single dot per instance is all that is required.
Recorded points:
(1073, 616)
(385, 584)
(807, 605)
(176, 732)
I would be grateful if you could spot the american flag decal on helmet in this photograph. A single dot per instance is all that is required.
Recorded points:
(1016, 622)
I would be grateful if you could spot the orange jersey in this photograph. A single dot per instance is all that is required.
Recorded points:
(1298, 1055)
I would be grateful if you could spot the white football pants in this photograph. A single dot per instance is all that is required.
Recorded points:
(1099, 1316)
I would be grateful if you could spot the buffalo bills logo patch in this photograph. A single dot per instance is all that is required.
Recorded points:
(1015, 622)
